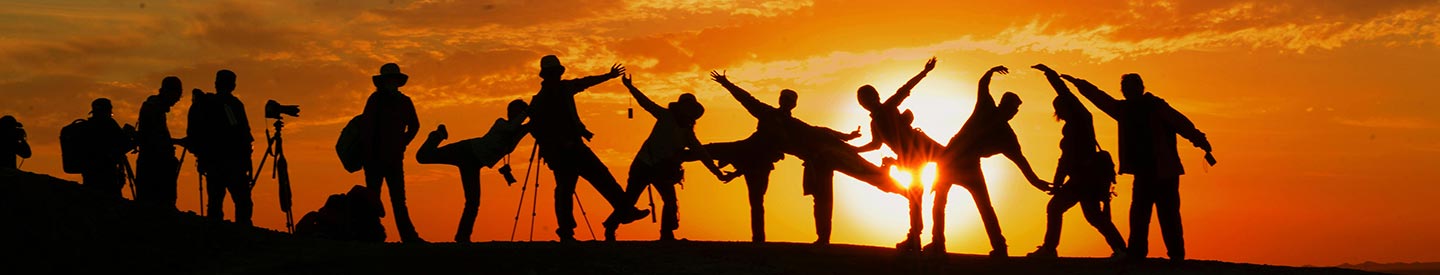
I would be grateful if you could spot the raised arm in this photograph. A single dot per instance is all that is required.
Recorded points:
(644, 101)
(904, 91)
(838, 134)
(1055, 81)
(1184, 127)
(754, 106)
(982, 93)
(704, 156)
(580, 84)
(1102, 100)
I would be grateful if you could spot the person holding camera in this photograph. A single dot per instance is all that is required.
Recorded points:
(108, 143)
(156, 167)
(473, 154)
(219, 136)
(393, 124)
(12, 142)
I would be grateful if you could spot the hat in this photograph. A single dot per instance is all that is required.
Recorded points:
(549, 61)
(687, 107)
(391, 70)
(100, 104)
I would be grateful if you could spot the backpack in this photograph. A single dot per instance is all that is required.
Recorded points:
(350, 146)
(75, 147)
(350, 216)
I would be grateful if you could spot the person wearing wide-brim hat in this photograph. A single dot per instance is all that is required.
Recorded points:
(393, 124)
(558, 131)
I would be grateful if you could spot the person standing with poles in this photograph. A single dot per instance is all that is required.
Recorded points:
(219, 136)
(95, 148)
(157, 168)
(1147, 128)
(393, 124)
(558, 131)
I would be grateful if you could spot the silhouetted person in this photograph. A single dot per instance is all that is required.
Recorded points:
(658, 161)
(156, 167)
(107, 144)
(393, 125)
(558, 131)
(1147, 127)
(12, 142)
(914, 148)
(986, 133)
(824, 151)
(473, 154)
(219, 136)
(753, 157)
(1090, 173)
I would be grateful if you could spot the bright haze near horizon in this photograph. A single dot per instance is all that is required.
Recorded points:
(1321, 112)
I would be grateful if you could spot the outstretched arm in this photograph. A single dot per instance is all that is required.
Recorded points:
(1184, 127)
(754, 106)
(645, 102)
(904, 91)
(580, 84)
(704, 157)
(1102, 100)
(1024, 165)
(875, 141)
(838, 134)
(1054, 78)
(982, 93)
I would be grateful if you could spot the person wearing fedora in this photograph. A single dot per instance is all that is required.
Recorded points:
(558, 131)
(393, 125)
(156, 167)
(658, 162)
(219, 136)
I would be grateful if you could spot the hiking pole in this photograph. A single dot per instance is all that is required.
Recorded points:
(650, 194)
(523, 186)
(129, 174)
(583, 215)
(200, 181)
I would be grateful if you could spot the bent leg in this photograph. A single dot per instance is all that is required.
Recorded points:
(1055, 217)
(1100, 219)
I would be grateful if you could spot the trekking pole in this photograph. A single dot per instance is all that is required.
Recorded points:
(651, 194)
(583, 215)
(129, 174)
(22, 164)
(535, 198)
(200, 181)
(523, 187)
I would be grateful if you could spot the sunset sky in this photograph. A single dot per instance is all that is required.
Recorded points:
(1322, 113)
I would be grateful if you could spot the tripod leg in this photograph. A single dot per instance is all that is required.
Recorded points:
(523, 186)
(585, 216)
(535, 198)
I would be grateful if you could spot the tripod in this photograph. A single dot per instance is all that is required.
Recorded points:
(275, 146)
(535, 196)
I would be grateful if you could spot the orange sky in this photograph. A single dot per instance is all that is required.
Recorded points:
(1320, 111)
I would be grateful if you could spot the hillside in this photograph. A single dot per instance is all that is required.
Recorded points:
(57, 227)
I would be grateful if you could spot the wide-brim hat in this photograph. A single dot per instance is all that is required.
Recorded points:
(390, 71)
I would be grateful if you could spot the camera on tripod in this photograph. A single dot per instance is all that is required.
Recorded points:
(505, 171)
(275, 109)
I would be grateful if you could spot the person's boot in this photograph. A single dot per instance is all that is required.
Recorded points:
(632, 215)
(610, 232)
(936, 247)
(910, 244)
(999, 253)
(440, 133)
(1043, 252)
(667, 235)
(1118, 255)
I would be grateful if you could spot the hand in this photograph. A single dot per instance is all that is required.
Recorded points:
(999, 69)
(726, 177)
(1043, 68)
(930, 65)
(617, 70)
(719, 76)
(1043, 186)
(855, 133)
(625, 79)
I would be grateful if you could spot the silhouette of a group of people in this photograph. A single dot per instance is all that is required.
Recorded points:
(219, 136)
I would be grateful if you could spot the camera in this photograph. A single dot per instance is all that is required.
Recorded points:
(505, 171)
(275, 109)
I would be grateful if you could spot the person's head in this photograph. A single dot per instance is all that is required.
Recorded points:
(100, 107)
(170, 90)
(1066, 109)
(10, 129)
(1131, 86)
(516, 110)
(550, 68)
(224, 81)
(390, 77)
(1009, 105)
(787, 99)
(869, 97)
(687, 109)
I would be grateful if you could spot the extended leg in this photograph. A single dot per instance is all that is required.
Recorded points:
(1100, 219)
